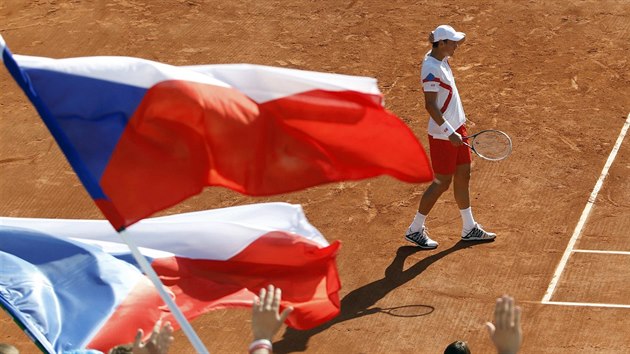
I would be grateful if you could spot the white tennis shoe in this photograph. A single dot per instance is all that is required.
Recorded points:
(420, 238)
(477, 233)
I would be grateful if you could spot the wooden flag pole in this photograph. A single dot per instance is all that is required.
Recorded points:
(179, 316)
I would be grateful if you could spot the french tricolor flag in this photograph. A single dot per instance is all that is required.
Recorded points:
(143, 136)
(73, 284)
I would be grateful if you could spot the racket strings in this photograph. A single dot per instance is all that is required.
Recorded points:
(492, 145)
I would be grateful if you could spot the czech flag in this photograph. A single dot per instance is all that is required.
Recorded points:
(143, 136)
(73, 284)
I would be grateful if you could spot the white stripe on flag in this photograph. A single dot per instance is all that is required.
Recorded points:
(123, 70)
(260, 83)
(213, 234)
(266, 83)
(3, 45)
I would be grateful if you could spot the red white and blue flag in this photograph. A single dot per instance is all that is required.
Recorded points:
(143, 136)
(73, 284)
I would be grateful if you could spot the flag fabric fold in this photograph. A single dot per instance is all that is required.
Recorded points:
(73, 283)
(143, 136)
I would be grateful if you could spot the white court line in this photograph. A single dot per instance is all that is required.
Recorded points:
(624, 253)
(586, 304)
(587, 211)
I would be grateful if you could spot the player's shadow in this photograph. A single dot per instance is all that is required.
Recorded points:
(358, 302)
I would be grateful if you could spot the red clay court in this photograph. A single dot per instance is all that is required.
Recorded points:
(553, 75)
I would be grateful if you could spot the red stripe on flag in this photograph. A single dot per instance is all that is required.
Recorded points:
(141, 309)
(185, 136)
(306, 273)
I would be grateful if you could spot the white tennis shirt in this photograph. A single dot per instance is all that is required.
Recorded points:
(437, 77)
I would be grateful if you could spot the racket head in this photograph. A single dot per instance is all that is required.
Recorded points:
(491, 144)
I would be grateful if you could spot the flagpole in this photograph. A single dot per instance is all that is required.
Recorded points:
(179, 316)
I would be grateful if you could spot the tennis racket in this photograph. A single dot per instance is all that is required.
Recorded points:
(493, 145)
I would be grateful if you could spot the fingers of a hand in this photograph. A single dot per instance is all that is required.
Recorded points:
(168, 328)
(138, 340)
(166, 337)
(517, 317)
(156, 328)
(497, 311)
(256, 305)
(285, 314)
(166, 331)
(502, 320)
(490, 327)
(509, 311)
(168, 342)
(277, 296)
(262, 295)
(268, 300)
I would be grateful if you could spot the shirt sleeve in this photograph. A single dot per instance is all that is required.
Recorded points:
(430, 83)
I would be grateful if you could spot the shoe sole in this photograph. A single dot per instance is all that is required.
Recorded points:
(478, 239)
(420, 246)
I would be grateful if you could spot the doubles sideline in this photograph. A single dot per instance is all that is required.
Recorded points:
(580, 225)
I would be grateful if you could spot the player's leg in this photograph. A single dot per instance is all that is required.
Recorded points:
(461, 191)
(461, 180)
(417, 232)
(433, 192)
(471, 230)
(443, 159)
(461, 183)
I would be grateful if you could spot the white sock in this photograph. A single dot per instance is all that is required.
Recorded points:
(418, 222)
(467, 218)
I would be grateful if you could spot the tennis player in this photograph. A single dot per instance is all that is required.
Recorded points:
(450, 158)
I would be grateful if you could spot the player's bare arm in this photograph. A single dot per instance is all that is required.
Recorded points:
(430, 103)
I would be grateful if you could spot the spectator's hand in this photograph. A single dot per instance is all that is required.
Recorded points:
(506, 333)
(159, 341)
(265, 319)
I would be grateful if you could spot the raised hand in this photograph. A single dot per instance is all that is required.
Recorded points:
(265, 318)
(505, 332)
(159, 341)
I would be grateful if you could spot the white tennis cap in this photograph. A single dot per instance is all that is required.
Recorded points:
(443, 32)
